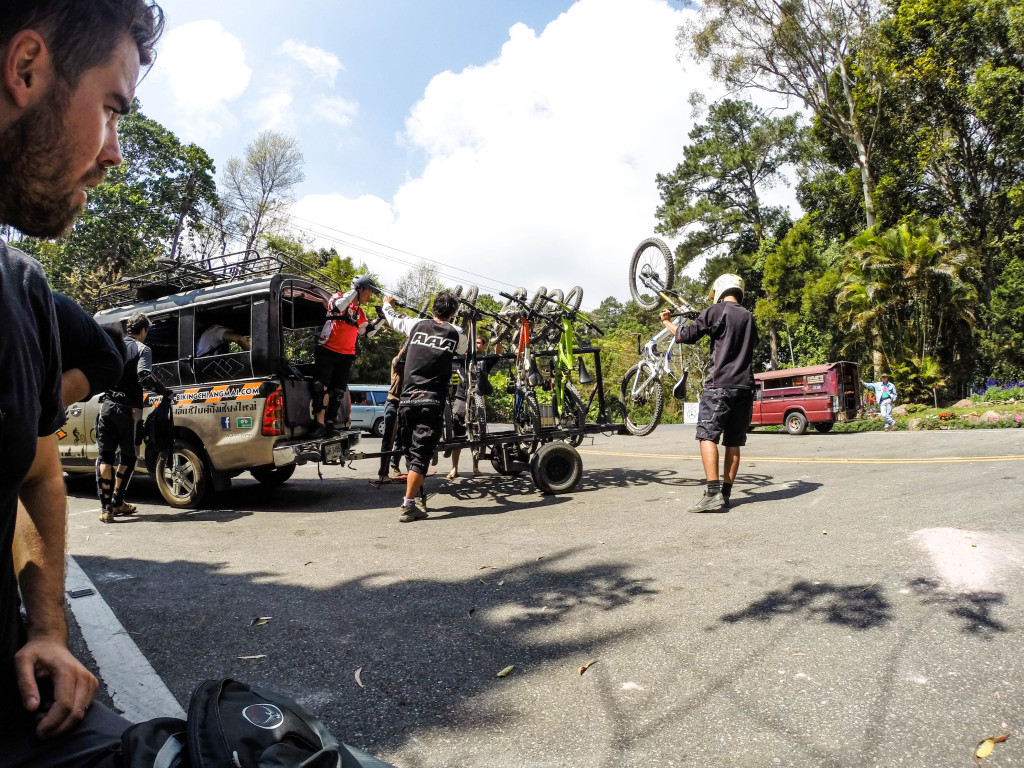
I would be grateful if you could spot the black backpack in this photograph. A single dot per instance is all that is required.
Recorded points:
(158, 429)
(231, 725)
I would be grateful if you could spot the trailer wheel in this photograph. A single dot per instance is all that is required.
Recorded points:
(796, 423)
(824, 426)
(556, 468)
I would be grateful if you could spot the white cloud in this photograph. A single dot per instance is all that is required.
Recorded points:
(541, 164)
(202, 86)
(272, 111)
(324, 64)
(338, 111)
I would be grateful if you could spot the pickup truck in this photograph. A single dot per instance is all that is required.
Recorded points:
(235, 410)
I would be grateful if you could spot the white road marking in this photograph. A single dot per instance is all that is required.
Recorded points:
(135, 688)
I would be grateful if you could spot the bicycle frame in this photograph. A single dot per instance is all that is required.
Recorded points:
(654, 362)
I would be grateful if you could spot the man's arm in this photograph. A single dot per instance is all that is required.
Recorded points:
(400, 323)
(39, 568)
(238, 338)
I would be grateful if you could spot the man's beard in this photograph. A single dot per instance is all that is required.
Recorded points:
(35, 154)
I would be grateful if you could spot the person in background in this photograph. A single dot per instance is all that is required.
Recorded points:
(390, 439)
(336, 349)
(68, 71)
(120, 412)
(727, 403)
(885, 396)
(215, 340)
(482, 369)
(433, 343)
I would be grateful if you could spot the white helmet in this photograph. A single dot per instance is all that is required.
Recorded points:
(726, 283)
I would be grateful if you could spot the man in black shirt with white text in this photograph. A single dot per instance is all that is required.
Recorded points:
(728, 400)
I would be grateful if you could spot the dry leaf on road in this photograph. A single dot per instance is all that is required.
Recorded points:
(359, 679)
(587, 666)
(984, 748)
(506, 670)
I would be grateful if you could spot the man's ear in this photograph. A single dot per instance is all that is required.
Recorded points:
(27, 72)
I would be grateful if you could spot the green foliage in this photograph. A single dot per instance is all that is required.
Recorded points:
(156, 194)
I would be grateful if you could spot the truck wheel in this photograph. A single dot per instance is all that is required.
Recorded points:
(378, 428)
(824, 426)
(556, 468)
(796, 423)
(184, 481)
(273, 476)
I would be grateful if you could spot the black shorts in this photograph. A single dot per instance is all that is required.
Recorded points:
(115, 433)
(421, 427)
(725, 414)
(332, 368)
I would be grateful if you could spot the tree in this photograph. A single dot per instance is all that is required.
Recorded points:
(160, 190)
(737, 155)
(715, 193)
(258, 186)
(803, 49)
(417, 287)
(902, 290)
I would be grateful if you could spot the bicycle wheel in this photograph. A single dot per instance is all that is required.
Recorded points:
(537, 302)
(651, 269)
(527, 420)
(471, 294)
(573, 415)
(642, 400)
(509, 305)
(555, 294)
(476, 421)
(574, 298)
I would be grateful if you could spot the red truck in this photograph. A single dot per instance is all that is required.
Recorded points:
(819, 395)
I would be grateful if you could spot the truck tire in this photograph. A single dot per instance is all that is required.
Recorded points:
(273, 476)
(796, 423)
(556, 467)
(185, 480)
(824, 426)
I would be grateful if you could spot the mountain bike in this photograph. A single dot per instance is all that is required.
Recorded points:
(570, 412)
(651, 274)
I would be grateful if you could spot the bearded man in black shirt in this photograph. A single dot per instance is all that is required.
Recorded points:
(728, 400)
(68, 70)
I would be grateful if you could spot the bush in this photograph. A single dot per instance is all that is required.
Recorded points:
(994, 391)
(916, 407)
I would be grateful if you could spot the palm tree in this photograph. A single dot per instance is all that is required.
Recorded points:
(901, 287)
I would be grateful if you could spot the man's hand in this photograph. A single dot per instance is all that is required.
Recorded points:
(390, 301)
(665, 315)
(73, 685)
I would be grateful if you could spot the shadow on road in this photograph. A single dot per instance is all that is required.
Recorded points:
(427, 650)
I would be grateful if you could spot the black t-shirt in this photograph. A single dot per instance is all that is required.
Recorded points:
(428, 363)
(733, 338)
(30, 407)
(86, 346)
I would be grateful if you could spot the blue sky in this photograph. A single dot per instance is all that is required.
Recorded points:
(509, 143)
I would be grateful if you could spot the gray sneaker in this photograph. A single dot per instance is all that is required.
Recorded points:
(710, 502)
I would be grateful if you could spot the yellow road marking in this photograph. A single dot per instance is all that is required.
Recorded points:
(820, 460)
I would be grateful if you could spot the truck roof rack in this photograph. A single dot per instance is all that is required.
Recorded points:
(178, 275)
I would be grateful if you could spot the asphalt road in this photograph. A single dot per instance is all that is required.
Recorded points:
(860, 605)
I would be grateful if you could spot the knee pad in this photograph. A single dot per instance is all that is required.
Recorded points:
(319, 395)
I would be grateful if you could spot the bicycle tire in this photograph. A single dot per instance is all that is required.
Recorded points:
(472, 293)
(456, 291)
(538, 300)
(555, 294)
(527, 425)
(573, 415)
(644, 409)
(652, 258)
(574, 298)
(476, 421)
(509, 305)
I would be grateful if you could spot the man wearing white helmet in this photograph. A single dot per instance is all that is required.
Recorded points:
(728, 399)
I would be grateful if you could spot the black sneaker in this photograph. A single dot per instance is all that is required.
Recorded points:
(710, 502)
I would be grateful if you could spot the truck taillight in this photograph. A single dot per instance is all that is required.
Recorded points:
(273, 414)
